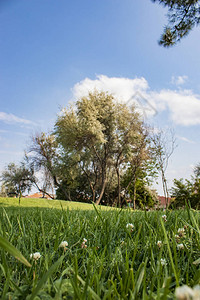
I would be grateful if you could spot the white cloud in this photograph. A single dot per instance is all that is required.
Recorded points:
(183, 106)
(186, 139)
(179, 80)
(123, 88)
(10, 118)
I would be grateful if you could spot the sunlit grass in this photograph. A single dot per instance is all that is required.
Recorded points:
(122, 260)
(40, 202)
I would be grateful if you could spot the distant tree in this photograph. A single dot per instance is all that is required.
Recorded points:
(141, 167)
(4, 191)
(17, 179)
(163, 145)
(43, 157)
(187, 192)
(102, 137)
(183, 15)
(137, 188)
(197, 171)
(181, 193)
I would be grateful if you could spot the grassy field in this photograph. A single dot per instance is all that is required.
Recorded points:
(59, 204)
(127, 255)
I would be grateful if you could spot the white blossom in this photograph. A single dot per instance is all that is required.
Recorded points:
(164, 218)
(185, 293)
(159, 244)
(63, 244)
(180, 246)
(196, 291)
(163, 262)
(177, 237)
(35, 255)
(83, 245)
(130, 226)
(181, 232)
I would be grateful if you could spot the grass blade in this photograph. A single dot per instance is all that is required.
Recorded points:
(45, 277)
(7, 246)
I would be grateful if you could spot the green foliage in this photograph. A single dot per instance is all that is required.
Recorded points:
(45, 203)
(183, 16)
(118, 263)
(17, 179)
(93, 145)
(8, 247)
(188, 192)
(144, 196)
(100, 137)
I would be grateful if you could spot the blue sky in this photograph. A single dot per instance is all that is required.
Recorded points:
(54, 51)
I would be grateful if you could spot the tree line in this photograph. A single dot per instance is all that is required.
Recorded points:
(100, 150)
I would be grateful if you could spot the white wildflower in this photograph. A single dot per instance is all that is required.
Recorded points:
(159, 244)
(63, 244)
(163, 262)
(164, 218)
(130, 226)
(196, 291)
(35, 255)
(180, 246)
(83, 245)
(177, 237)
(181, 232)
(184, 293)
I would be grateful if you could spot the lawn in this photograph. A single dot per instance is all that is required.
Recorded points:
(114, 254)
(40, 202)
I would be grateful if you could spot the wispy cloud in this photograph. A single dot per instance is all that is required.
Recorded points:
(179, 80)
(185, 139)
(10, 118)
(183, 106)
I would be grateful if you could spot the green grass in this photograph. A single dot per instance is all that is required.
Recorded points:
(117, 264)
(59, 204)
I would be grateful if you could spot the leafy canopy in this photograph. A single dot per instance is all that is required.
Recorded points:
(183, 15)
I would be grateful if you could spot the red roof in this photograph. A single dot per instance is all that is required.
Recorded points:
(162, 201)
(38, 195)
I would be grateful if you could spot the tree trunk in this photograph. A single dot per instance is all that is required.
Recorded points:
(165, 190)
(134, 194)
(103, 184)
(102, 192)
(42, 191)
(119, 187)
(93, 196)
(20, 195)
